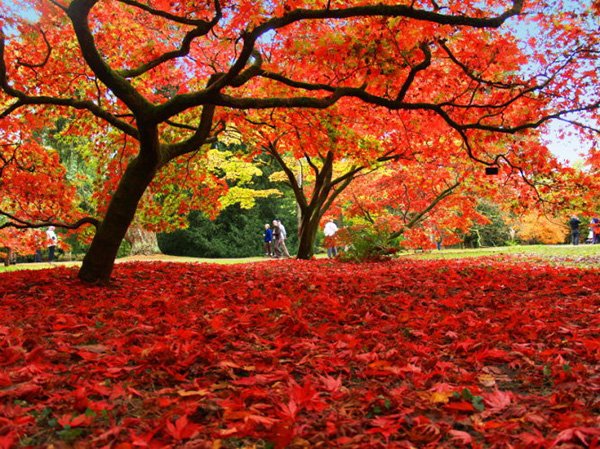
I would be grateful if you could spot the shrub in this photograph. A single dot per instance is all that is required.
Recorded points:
(366, 243)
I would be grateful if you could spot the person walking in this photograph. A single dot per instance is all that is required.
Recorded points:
(282, 245)
(330, 230)
(268, 240)
(574, 224)
(590, 237)
(276, 240)
(51, 241)
(595, 228)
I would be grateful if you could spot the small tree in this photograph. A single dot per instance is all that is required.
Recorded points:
(537, 228)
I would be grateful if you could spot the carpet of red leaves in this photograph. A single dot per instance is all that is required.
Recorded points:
(408, 354)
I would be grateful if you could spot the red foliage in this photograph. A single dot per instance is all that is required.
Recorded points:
(439, 354)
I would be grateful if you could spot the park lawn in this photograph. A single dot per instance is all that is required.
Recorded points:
(568, 255)
(474, 353)
(534, 250)
(565, 255)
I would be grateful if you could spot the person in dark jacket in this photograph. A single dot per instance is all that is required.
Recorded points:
(268, 239)
(574, 224)
(595, 228)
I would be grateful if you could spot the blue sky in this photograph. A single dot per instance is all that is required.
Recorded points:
(568, 148)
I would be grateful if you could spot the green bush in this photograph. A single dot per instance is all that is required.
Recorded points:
(366, 243)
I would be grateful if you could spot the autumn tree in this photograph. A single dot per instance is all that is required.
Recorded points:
(537, 228)
(321, 153)
(423, 200)
(405, 176)
(163, 78)
(34, 192)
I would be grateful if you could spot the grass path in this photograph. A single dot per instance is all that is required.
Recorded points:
(545, 251)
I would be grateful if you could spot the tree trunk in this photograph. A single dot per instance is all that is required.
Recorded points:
(308, 234)
(99, 261)
(8, 257)
(142, 242)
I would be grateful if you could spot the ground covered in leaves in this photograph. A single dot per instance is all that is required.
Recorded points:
(407, 354)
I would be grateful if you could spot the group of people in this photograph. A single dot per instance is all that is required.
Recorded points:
(274, 240)
(594, 234)
(275, 236)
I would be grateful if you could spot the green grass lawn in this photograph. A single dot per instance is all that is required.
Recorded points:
(538, 250)
(584, 255)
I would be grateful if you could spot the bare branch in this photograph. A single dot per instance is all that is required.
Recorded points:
(467, 70)
(199, 23)
(365, 212)
(43, 63)
(422, 214)
(414, 70)
(271, 149)
(579, 124)
(311, 164)
(23, 99)
(18, 223)
(202, 28)
(78, 12)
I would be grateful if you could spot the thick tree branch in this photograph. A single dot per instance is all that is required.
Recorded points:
(25, 100)
(78, 12)
(181, 102)
(378, 10)
(414, 70)
(335, 192)
(322, 183)
(199, 23)
(17, 223)
(296, 84)
(199, 138)
(46, 57)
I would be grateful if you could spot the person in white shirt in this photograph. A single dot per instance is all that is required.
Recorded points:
(51, 240)
(330, 230)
